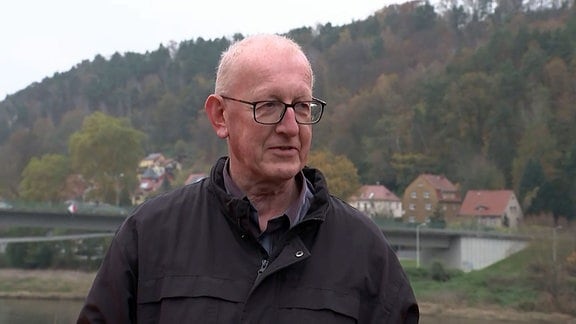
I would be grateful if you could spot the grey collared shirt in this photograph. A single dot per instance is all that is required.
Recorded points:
(279, 225)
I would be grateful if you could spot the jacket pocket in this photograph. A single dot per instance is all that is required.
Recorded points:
(310, 305)
(189, 299)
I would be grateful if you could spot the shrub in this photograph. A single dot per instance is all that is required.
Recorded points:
(438, 272)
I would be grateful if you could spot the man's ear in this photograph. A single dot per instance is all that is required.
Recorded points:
(215, 112)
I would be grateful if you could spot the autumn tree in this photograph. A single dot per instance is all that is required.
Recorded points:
(532, 179)
(341, 174)
(408, 166)
(469, 99)
(43, 179)
(106, 151)
(477, 172)
(169, 120)
(14, 156)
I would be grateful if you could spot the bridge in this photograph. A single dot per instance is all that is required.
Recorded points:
(465, 250)
(55, 219)
(106, 225)
(458, 249)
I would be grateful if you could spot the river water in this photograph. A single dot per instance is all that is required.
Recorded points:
(33, 311)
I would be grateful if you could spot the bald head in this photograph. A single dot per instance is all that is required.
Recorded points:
(246, 55)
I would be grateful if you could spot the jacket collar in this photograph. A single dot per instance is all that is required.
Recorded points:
(237, 209)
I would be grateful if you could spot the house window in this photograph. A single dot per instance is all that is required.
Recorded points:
(426, 195)
(411, 206)
(428, 206)
(413, 195)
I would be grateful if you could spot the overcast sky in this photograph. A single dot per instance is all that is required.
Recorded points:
(41, 37)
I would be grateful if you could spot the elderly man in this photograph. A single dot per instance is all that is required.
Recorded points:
(260, 240)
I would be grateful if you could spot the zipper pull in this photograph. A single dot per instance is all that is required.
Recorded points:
(263, 266)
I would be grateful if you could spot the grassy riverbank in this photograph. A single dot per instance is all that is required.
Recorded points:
(63, 284)
(526, 282)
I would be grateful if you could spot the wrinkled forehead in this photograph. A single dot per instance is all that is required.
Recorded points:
(265, 60)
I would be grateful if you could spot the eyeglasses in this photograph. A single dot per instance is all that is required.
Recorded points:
(272, 112)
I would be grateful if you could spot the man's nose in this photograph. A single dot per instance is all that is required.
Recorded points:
(288, 122)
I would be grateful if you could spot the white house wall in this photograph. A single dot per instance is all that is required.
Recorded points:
(378, 208)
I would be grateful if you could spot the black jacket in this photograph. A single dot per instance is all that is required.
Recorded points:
(184, 257)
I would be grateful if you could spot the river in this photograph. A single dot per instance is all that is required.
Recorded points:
(34, 311)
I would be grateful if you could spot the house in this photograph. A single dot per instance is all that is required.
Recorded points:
(377, 201)
(492, 208)
(150, 181)
(155, 171)
(152, 160)
(431, 196)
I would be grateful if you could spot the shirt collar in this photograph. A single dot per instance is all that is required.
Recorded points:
(295, 211)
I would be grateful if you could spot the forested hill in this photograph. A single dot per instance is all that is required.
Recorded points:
(484, 93)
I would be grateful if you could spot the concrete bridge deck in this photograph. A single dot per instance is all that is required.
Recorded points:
(47, 219)
(466, 250)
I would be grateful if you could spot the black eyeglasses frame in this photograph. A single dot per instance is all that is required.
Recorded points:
(286, 106)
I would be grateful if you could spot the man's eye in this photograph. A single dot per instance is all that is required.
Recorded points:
(303, 105)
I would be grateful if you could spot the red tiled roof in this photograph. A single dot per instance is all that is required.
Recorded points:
(486, 202)
(375, 192)
(439, 182)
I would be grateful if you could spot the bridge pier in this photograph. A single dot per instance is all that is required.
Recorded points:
(463, 250)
